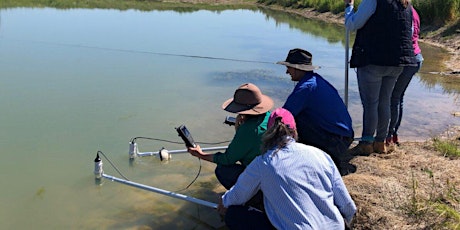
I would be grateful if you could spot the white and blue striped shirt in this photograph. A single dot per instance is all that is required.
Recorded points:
(302, 188)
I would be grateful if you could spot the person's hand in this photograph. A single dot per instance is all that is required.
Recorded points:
(239, 121)
(220, 208)
(195, 151)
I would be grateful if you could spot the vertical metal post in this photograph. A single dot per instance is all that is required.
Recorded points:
(347, 41)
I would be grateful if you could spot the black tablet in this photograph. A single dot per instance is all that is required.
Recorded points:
(186, 136)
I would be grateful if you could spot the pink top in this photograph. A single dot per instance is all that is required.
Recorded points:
(416, 31)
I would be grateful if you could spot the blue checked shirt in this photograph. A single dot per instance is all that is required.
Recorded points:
(302, 189)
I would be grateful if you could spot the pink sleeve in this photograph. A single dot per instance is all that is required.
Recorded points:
(416, 31)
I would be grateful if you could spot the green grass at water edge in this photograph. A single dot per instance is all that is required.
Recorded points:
(447, 148)
(430, 11)
(143, 5)
(437, 11)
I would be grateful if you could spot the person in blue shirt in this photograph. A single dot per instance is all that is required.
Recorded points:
(301, 186)
(322, 118)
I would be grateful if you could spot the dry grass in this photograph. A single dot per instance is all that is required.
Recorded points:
(412, 187)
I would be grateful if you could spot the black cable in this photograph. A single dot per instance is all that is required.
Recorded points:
(143, 52)
(196, 177)
(124, 177)
(190, 56)
(177, 142)
(115, 167)
(156, 139)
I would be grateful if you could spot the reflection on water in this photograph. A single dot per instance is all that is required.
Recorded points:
(333, 33)
(78, 81)
(432, 69)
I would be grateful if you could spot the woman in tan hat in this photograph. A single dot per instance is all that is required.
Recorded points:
(253, 109)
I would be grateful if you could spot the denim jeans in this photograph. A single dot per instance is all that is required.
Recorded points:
(398, 94)
(375, 87)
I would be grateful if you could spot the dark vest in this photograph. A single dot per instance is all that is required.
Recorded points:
(386, 38)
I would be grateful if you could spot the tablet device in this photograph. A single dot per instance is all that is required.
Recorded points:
(186, 136)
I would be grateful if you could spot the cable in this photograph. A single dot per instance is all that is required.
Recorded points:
(193, 181)
(141, 51)
(124, 177)
(115, 167)
(189, 56)
(177, 142)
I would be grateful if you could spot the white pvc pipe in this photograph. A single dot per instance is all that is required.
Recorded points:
(141, 154)
(161, 191)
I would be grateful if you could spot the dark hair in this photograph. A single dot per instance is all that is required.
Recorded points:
(276, 136)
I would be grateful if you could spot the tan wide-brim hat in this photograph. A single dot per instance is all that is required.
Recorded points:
(299, 59)
(248, 99)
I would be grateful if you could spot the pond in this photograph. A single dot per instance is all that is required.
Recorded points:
(75, 82)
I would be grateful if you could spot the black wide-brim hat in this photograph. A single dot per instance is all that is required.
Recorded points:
(299, 59)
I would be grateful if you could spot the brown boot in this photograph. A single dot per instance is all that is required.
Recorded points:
(379, 147)
(362, 149)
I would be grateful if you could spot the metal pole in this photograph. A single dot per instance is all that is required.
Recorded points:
(161, 191)
(347, 41)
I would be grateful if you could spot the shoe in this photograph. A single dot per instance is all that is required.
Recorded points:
(361, 149)
(379, 147)
(388, 141)
(395, 139)
(346, 168)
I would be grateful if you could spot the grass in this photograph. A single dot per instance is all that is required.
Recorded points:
(431, 11)
(437, 209)
(143, 5)
(438, 11)
(447, 148)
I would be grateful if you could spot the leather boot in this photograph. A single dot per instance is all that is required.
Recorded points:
(379, 147)
(362, 149)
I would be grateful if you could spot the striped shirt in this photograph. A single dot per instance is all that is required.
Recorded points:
(302, 189)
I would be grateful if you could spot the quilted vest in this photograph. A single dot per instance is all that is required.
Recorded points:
(386, 38)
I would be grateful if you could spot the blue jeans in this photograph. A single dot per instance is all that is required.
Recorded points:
(375, 87)
(398, 94)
